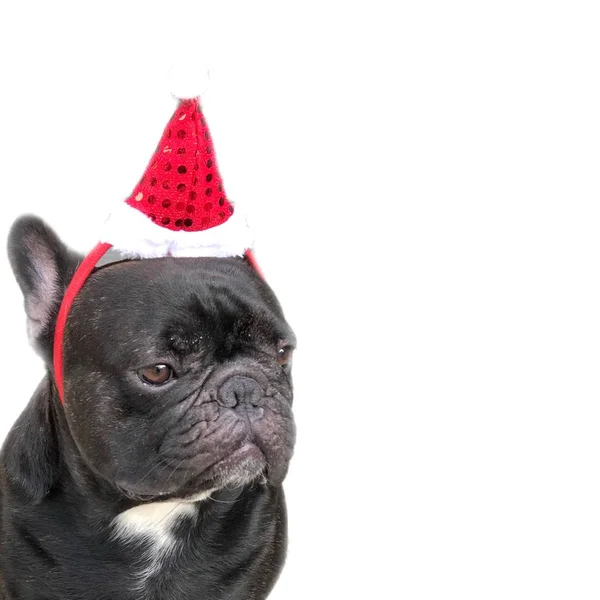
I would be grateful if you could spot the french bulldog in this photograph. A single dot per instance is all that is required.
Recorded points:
(161, 475)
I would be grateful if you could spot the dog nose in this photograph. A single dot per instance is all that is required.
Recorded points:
(239, 389)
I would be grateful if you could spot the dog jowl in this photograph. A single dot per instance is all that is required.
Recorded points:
(161, 475)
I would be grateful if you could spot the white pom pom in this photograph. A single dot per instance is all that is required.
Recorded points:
(188, 79)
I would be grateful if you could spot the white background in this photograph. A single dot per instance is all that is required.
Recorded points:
(423, 180)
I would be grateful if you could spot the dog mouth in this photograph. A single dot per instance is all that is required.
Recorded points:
(248, 455)
(239, 467)
(244, 465)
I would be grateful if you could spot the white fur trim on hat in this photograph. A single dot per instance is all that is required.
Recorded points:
(136, 236)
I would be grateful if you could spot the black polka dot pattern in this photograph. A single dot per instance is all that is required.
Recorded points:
(184, 169)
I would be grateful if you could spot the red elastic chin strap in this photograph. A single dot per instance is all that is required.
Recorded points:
(81, 274)
(80, 277)
(252, 260)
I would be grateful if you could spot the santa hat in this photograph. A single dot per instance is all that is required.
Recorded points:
(178, 208)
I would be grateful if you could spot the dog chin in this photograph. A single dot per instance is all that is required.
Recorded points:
(241, 467)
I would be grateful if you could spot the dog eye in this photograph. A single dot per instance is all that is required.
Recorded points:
(284, 355)
(156, 374)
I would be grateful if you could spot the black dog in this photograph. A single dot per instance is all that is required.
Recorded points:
(160, 477)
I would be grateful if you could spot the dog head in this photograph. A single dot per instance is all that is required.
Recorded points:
(177, 370)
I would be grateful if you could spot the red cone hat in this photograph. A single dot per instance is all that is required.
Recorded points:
(182, 187)
(179, 207)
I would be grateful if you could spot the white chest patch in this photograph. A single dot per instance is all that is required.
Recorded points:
(154, 522)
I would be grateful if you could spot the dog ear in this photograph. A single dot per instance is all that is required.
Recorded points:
(30, 458)
(43, 267)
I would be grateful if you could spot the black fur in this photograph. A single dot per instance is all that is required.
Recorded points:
(67, 472)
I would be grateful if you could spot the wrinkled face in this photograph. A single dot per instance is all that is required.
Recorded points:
(177, 377)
